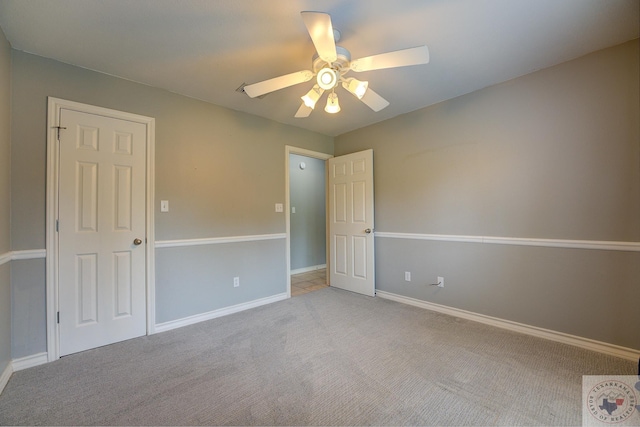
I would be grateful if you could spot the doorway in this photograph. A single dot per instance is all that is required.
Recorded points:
(306, 207)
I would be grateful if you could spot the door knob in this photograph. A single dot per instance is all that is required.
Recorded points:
(137, 242)
(368, 231)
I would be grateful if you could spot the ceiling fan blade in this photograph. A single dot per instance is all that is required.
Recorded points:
(374, 101)
(398, 58)
(277, 83)
(303, 111)
(321, 31)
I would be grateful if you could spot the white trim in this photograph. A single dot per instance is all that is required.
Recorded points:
(52, 185)
(186, 321)
(519, 241)
(150, 225)
(217, 240)
(24, 254)
(308, 269)
(586, 343)
(29, 361)
(563, 243)
(4, 377)
(288, 149)
(29, 254)
(51, 238)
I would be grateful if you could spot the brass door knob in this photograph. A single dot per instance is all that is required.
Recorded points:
(137, 242)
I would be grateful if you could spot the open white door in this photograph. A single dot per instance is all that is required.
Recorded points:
(352, 262)
(102, 238)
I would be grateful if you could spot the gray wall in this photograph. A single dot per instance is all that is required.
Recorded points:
(5, 206)
(210, 271)
(308, 224)
(221, 170)
(29, 334)
(554, 155)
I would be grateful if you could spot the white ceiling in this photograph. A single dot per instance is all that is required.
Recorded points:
(206, 49)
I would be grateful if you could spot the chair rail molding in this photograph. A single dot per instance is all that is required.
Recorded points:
(518, 241)
(217, 240)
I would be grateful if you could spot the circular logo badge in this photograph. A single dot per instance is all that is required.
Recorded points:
(611, 401)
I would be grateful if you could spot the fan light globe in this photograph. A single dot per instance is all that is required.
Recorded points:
(312, 96)
(332, 104)
(356, 87)
(327, 78)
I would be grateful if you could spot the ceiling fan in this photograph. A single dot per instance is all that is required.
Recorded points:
(331, 64)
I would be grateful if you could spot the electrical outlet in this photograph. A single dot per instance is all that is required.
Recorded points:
(407, 276)
(440, 282)
(236, 282)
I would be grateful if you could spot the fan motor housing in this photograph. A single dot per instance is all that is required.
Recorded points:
(341, 65)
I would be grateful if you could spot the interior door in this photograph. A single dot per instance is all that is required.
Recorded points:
(101, 253)
(351, 225)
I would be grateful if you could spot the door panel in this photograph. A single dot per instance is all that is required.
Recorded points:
(101, 283)
(87, 288)
(123, 283)
(351, 215)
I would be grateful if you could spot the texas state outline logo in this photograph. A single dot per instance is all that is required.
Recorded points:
(611, 400)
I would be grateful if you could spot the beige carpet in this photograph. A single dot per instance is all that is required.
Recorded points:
(328, 357)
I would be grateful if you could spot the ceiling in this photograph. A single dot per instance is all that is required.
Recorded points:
(206, 49)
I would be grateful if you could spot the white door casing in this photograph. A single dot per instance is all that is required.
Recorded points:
(101, 283)
(351, 222)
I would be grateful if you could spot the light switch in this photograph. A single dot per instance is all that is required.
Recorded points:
(279, 207)
(164, 206)
(293, 209)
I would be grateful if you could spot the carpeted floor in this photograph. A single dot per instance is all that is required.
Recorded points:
(328, 357)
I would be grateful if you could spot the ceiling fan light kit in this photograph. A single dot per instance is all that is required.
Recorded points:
(331, 63)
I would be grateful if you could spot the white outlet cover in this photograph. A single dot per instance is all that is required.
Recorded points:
(279, 207)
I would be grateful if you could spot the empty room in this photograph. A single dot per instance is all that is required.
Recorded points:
(341, 212)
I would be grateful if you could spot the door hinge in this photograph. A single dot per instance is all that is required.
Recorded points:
(59, 127)
(57, 225)
(58, 317)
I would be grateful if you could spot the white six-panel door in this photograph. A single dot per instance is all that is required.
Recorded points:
(351, 222)
(101, 274)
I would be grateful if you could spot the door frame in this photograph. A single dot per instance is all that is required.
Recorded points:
(288, 149)
(52, 190)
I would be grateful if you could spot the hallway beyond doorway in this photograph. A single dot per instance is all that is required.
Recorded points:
(308, 282)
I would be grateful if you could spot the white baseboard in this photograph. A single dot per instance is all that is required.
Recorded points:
(174, 324)
(4, 377)
(29, 361)
(308, 269)
(586, 343)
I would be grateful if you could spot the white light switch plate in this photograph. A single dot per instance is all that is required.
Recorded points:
(164, 206)
(279, 207)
